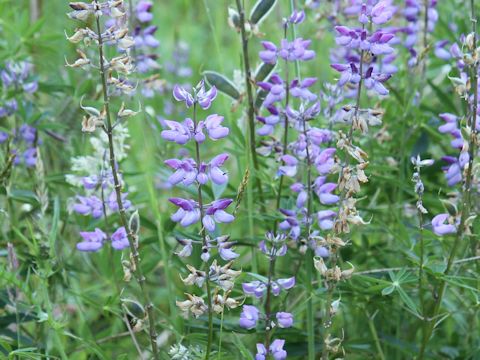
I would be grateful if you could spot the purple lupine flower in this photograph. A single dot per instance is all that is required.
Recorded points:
(185, 171)
(269, 55)
(382, 12)
(216, 214)
(453, 172)
(249, 317)
(324, 191)
(269, 122)
(217, 175)
(213, 125)
(30, 157)
(374, 81)
(300, 89)
(276, 90)
(348, 73)
(119, 239)
(92, 241)
(276, 349)
(28, 133)
(302, 196)
(3, 137)
(89, 205)
(324, 162)
(290, 224)
(282, 284)
(205, 98)
(440, 50)
(144, 11)
(284, 319)
(113, 203)
(179, 133)
(282, 251)
(188, 212)
(255, 288)
(261, 352)
(180, 94)
(441, 228)
(187, 248)
(290, 166)
(225, 251)
(297, 17)
(326, 219)
(296, 50)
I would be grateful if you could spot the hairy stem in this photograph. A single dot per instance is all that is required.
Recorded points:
(309, 260)
(331, 285)
(132, 237)
(198, 159)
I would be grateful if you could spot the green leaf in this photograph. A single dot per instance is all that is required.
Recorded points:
(260, 11)
(407, 300)
(222, 83)
(388, 290)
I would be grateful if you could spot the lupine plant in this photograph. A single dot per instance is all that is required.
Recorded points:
(239, 179)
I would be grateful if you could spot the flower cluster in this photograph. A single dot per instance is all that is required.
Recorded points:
(273, 247)
(18, 84)
(415, 27)
(465, 57)
(362, 51)
(463, 132)
(195, 172)
(98, 197)
(144, 37)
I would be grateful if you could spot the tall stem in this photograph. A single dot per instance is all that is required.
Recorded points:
(198, 159)
(132, 237)
(466, 196)
(309, 260)
(251, 104)
(331, 285)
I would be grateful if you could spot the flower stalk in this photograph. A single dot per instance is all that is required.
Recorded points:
(132, 237)
(463, 226)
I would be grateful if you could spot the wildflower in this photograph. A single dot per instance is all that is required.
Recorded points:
(284, 319)
(188, 212)
(440, 227)
(119, 239)
(249, 317)
(92, 241)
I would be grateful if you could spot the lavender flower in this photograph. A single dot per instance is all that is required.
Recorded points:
(275, 349)
(92, 241)
(249, 317)
(284, 319)
(441, 227)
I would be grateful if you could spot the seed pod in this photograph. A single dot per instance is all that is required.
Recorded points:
(222, 84)
(233, 19)
(261, 95)
(264, 71)
(260, 11)
(134, 222)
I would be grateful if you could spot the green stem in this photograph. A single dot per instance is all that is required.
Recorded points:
(373, 331)
(309, 260)
(132, 237)
(331, 285)
(198, 159)
(251, 104)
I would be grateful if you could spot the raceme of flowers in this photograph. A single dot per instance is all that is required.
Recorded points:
(18, 86)
(91, 174)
